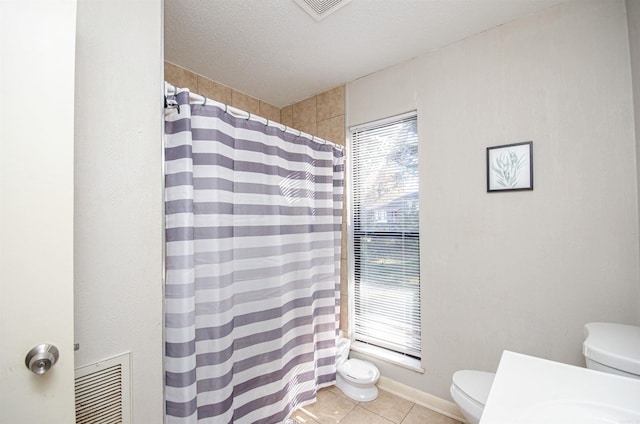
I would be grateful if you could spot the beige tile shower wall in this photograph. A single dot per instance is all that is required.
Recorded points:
(184, 78)
(321, 115)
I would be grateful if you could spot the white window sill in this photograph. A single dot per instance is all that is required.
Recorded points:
(395, 358)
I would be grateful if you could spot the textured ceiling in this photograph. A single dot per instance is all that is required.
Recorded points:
(274, 51)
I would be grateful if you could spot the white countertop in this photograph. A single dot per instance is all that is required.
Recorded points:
(531, 390)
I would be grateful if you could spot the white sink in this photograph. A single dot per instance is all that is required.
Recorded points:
(528, 390)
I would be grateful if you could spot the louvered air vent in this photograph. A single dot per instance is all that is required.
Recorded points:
(320, 9)
(102, 392)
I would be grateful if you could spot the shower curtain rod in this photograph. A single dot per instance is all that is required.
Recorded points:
(172, 90)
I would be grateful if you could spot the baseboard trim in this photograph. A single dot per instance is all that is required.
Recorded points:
(427, 400)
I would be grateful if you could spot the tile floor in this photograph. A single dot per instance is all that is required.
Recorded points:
(333, 407)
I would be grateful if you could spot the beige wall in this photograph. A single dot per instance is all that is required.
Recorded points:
(633, 22)
(118, 193)
(523, 270)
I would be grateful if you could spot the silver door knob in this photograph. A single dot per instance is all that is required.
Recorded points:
(41, 358)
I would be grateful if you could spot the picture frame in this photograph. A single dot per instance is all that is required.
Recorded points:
(510, 167)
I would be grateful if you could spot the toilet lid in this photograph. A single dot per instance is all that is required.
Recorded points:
(474, 384)
(614, 345)
(357, 369)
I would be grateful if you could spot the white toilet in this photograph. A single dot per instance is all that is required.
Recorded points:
(356, 378)
(470, 390)
(612, 348)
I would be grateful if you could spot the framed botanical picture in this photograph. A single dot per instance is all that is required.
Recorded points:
(510, 167)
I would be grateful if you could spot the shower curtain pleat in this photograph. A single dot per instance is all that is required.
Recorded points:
(253, 225)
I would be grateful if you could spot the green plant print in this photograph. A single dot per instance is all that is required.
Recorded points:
(506, 168)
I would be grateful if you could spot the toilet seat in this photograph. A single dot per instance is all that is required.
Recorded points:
(358, 371)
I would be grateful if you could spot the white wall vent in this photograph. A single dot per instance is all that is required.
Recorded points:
(320, 9)
(103, 392)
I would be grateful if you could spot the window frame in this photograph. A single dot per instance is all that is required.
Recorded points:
(353, 219)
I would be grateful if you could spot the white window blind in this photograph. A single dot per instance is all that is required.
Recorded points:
(386, 235)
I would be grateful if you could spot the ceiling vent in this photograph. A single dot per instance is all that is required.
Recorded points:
(320, 9)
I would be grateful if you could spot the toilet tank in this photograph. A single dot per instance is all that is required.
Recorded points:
(612, 348)
(342, 350)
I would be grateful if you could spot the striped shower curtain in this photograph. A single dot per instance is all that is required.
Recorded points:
(253, 218)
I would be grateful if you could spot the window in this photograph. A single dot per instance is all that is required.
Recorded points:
(386, 235)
